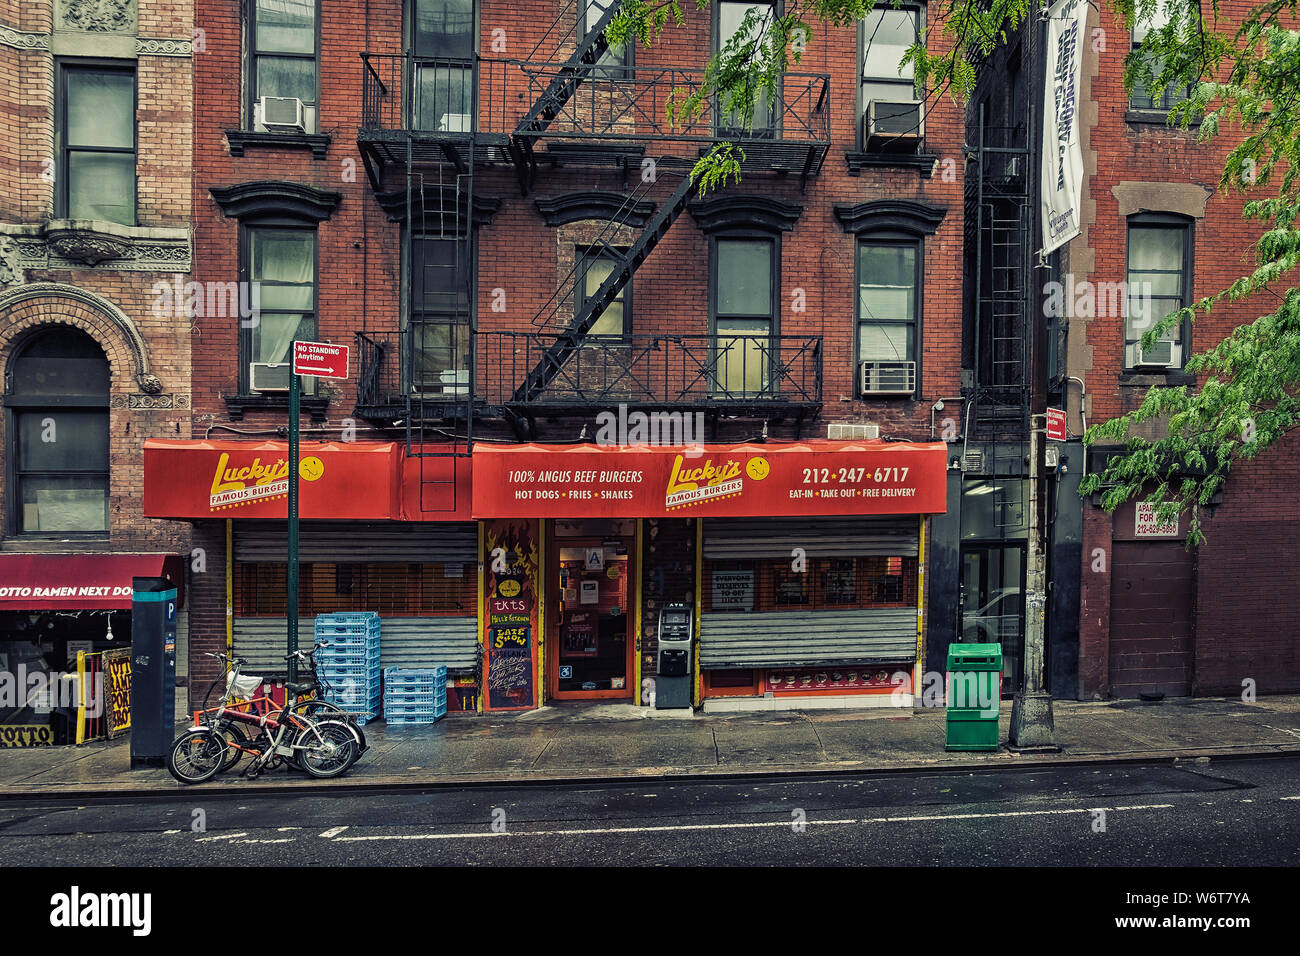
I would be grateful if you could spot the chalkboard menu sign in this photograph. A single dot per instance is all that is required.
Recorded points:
(510, 572)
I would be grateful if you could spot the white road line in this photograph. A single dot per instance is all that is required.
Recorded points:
(224, 836)
(1292, 798)
(165, 832)
(744, 826)
(286, 840)
(333, 832)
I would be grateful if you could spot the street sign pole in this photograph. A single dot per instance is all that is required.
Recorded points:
(291, 587)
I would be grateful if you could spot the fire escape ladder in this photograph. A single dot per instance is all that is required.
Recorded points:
(558, 92)
(625, 265)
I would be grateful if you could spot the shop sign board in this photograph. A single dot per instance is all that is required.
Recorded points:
(117, 689)
(1147, 524)
(750, 480)
(733, 591)
(511, 614)
(26, 735)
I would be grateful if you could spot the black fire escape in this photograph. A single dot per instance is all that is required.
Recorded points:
(998, 242)
(429, 124)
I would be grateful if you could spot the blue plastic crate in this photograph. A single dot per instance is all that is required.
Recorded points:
(414, 683)
(436, 673)
(361, 673)
(431, 698)
(412, 709)
(331, 656)
(427, 717)
(343, 616)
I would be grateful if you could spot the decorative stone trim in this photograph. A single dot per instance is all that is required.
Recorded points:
(86, 243)
(594, 204)
(123, 330)
(97, 16)
(163, 46)
(923, 163)
(745, 212)
(240, 139)
(140, 400)
(435, 198)
(24, 41)
(276, 199)
(892, 215)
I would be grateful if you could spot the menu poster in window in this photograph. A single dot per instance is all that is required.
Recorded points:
(733, 591)
(510, 565)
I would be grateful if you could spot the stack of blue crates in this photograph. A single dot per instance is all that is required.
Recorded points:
(350, 664)
(414, 695)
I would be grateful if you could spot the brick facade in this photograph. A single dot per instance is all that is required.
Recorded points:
(45, 283)
(1241, 631)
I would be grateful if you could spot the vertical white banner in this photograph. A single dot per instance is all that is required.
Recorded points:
(1062, 175)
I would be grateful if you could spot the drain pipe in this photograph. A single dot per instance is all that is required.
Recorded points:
(1083, 394)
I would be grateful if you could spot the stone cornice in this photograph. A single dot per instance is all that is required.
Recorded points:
(84, 244)
(24, 41)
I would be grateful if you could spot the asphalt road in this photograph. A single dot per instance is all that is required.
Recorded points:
(1231, 813)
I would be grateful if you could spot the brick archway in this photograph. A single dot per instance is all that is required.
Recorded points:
(29, 307)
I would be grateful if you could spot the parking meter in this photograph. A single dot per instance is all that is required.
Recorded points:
(673, 684)
(153, 670)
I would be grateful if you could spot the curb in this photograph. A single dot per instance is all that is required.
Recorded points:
(532, 780)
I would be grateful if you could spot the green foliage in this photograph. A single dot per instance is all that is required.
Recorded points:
(1243, 77)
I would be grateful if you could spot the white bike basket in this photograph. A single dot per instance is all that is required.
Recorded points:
(243, 686)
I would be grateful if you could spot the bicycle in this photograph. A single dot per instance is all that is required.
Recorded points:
(321, 747)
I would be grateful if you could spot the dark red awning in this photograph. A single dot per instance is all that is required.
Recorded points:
(78, 582)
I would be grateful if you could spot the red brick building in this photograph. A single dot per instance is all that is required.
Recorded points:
(1155, 617)
(491, 207)
(94, 215)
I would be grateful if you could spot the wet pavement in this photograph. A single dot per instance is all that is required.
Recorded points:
(613, 741)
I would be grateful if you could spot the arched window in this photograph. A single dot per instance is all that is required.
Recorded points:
(56, 403)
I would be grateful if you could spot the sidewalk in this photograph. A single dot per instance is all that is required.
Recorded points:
(618, 741)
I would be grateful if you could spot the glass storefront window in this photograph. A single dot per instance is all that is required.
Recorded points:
(994, 508)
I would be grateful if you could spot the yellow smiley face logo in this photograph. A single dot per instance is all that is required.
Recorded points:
(758, 468)
(508, 588)
(311, 468)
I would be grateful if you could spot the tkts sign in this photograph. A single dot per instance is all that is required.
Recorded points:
(809, 478)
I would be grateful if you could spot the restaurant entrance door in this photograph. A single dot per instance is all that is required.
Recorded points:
(591, 576)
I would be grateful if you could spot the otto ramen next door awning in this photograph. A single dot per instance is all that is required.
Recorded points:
(80, 582)
(748, 480)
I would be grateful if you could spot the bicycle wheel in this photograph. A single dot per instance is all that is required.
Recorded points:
(329, 754)
(197, 755)
(236, 737)
(325, 710)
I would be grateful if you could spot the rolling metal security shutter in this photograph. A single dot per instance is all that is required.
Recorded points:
(732, 539)
(360, 542)
(809, 638)
(404, 641)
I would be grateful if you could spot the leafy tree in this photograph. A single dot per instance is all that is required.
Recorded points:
(1245, 75)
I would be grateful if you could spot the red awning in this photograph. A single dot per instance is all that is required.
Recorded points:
(748, 480)
(250, 479)
(76, 582)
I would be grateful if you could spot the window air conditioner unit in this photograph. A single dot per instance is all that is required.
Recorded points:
(454, 123)
(282, 114)
(899, 122)
(268, 376)
(1162, 355)
(886, 378)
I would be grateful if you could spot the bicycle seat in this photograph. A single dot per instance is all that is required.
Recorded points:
(300, 688)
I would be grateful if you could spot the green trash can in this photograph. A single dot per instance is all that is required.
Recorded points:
(974, 696)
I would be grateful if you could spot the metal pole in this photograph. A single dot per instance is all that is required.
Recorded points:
(291, 587)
